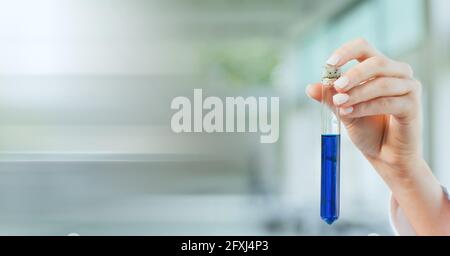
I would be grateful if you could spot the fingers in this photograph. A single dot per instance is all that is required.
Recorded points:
(358, 49)
(378, 66)
(314, 91)
(401, 107)
(379, 87)
(381, 96)
(375, 86)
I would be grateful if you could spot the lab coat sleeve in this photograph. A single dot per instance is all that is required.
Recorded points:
(399, 223)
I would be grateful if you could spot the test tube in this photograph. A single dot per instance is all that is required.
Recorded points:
(331, 140)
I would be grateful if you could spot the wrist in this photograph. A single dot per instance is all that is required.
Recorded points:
(402, 172)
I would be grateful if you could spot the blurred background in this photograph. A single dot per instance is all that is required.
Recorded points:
(85, 91)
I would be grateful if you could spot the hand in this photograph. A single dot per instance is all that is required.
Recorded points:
(379, 104)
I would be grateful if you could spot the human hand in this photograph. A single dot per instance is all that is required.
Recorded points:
(379, 102)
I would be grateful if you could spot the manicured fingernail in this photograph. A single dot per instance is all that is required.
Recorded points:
(333, 60)
(346, 111)
(340, 99)
(342, 82)
(307, 90)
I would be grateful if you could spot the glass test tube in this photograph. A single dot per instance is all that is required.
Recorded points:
(331, 140)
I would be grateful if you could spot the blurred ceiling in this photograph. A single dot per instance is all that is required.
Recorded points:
(138, 19)
(135, 36)
(239, 19)
(234, 19)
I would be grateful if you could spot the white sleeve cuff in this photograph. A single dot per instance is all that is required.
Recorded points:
(399, 223)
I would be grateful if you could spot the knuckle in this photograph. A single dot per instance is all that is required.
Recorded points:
(379, 61)
(355, 73)
(408, 69)
(354, 94)
(415, 89)
(414, 99)
(416, 86)
(362, 41)
(343, 51)
(383, 83)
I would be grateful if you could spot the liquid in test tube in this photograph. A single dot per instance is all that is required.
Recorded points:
(331, 144)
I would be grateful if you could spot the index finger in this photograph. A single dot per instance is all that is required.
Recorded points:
(358, 49)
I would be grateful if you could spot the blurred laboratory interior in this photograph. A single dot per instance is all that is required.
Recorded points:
(85, 91)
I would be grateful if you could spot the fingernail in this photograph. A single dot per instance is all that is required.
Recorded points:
(346, 111)
(307, 90)
(342, 82)
(340, 99)
(333, 60)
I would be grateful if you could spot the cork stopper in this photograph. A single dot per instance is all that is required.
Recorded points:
(331, 72)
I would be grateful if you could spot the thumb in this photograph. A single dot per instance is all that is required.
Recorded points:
(314, 91)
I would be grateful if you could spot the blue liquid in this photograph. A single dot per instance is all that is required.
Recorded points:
(329, 204)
